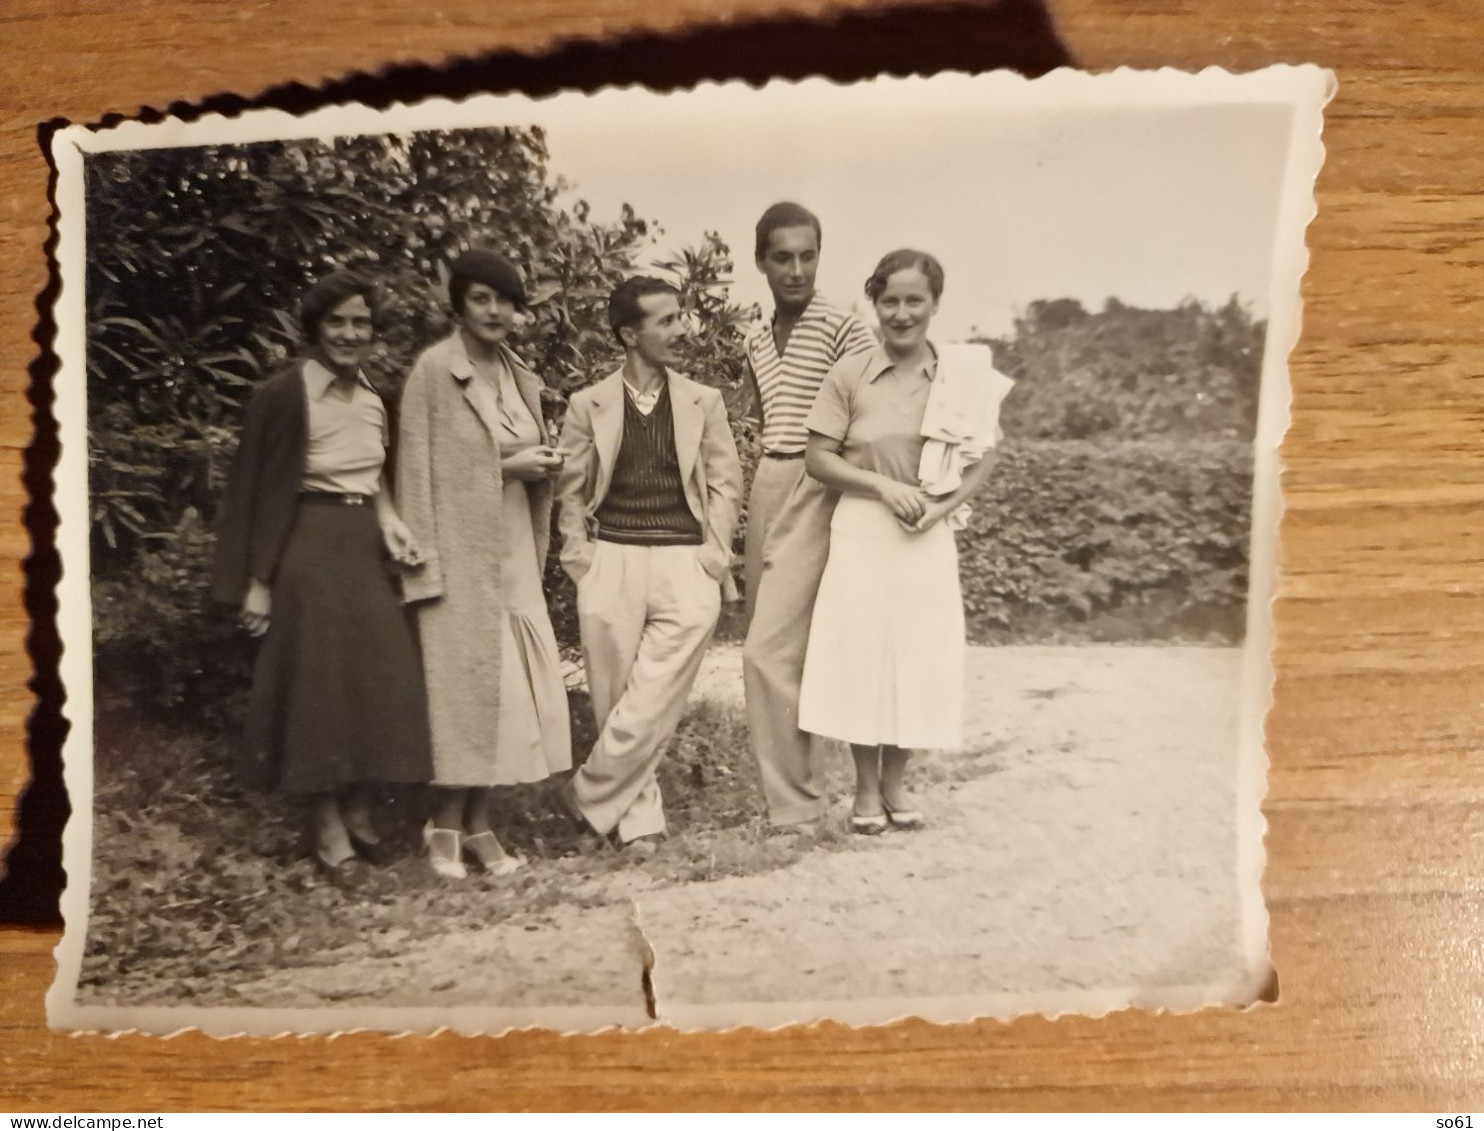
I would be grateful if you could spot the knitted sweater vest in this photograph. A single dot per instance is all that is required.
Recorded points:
(645, 504)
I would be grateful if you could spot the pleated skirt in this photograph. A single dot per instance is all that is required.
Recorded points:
(885, 662)
(535, 736)
(338, 695)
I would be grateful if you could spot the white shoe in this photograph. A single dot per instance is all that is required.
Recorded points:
(491, 856)
(444, 852)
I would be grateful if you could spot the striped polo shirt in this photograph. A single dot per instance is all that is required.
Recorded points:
(787, 385)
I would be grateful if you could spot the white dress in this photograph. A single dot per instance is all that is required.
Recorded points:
(885, 661)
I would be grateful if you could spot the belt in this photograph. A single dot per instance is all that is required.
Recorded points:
(783, 455)
(336, 498)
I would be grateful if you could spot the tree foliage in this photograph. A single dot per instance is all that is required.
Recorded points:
(196, 259)
(1131, 374)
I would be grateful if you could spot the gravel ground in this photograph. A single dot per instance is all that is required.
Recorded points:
(1080, 856)
(1084, 858)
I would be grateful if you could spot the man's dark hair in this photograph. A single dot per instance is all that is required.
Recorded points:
(325, 295)
(624, 307)
(785, 214)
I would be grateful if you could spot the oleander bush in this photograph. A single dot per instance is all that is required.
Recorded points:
(196, 259)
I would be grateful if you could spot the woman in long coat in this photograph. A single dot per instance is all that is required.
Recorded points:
(474, 471)
(303, 539)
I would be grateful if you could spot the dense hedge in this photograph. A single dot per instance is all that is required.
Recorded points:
(1081, 541)
(1121, 500)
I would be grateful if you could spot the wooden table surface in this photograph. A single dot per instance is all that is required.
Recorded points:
(1376, 822)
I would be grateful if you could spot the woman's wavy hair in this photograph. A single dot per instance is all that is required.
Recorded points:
(905, 259)
(483, 265)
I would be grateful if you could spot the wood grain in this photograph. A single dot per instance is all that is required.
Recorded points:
(1376, 801)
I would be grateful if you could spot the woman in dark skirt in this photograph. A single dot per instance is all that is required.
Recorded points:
(305, 542)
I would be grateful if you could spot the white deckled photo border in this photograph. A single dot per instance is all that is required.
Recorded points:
(1303, 90)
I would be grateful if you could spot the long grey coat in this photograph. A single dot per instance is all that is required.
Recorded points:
(449, 487)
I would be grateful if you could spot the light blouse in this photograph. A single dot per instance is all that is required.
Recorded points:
(874, 409)
(348, 433)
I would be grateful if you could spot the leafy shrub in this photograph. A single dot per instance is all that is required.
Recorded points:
(153, 644)
(1077, 541)
(178, 337)
(1120, 503)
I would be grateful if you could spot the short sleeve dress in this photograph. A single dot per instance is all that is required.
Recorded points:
(885, 661)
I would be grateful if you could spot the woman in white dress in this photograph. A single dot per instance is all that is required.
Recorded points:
(885, 665)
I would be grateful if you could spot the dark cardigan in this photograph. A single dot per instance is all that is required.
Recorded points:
(262, 495)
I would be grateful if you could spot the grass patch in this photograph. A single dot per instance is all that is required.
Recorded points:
(199, 884)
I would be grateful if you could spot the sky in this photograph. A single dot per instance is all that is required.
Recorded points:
(1147, 204)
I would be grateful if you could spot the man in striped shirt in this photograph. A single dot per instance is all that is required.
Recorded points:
(788, 513)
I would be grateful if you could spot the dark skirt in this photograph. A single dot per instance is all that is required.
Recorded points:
(337, 694)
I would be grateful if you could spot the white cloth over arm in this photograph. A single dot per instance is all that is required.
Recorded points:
(962, 419)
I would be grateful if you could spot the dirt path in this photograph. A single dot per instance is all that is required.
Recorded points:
(1084, 843)
(1090, 848)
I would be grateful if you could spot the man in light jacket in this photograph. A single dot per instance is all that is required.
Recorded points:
(647, 501)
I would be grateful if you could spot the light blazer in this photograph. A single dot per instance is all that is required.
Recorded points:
(709, 468)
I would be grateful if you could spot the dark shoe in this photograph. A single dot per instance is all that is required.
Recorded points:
(643, 847)
(347, 875)
(590, 842)
(802, 830)
(562, 805)
(377, 852)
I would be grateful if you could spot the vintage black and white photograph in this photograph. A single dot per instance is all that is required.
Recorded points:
(734, 556)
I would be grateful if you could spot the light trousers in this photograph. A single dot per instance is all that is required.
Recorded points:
(794, 554)
(772, 484)
(646, 615)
